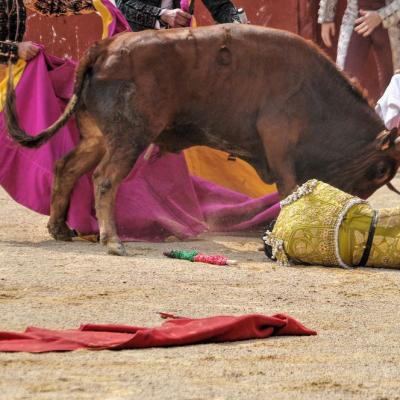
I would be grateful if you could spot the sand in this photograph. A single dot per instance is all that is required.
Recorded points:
(356, 354)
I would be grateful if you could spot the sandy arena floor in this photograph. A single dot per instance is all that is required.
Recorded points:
(61, 285)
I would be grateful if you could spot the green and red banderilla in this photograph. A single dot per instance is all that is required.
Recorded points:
(195, 256)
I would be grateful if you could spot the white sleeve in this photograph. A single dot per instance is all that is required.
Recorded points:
(327, 11)
(390, 14)
(388, 106)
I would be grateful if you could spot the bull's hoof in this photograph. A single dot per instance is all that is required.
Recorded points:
(60, 231)
(116, 249)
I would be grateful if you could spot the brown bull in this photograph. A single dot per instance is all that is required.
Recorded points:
(264, 95)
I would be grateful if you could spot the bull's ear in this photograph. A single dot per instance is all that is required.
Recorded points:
(388, 139)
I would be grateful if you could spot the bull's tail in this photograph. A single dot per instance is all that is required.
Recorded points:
(14, 129)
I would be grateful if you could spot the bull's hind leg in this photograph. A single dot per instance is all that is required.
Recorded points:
(113, 168)
(69, 169)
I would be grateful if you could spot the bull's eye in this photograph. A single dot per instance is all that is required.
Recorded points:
(382, 170)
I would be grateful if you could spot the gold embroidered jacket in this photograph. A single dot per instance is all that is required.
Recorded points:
(321, 225)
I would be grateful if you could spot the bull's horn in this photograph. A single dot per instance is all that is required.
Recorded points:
(149, 152)
(382, 139)
(388, 139)
(392, 188)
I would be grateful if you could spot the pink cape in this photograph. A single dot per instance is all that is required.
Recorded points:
(174, 332)
(158, 199)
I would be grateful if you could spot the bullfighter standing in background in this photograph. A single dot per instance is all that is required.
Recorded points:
(13, 19)
(366, 25)
(153, 14)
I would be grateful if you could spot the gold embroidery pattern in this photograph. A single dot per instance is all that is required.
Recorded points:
(309, 227)
(385, 250)
(322, 225)
(60, 7)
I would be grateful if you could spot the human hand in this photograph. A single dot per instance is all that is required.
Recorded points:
(176, 18)
(27, 50)
(368, 21)
(328, 30)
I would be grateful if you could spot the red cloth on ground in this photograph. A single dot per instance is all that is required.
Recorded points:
(174, 332)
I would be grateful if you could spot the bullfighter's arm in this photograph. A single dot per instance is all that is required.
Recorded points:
(12, 29)
(327, 11)
(223, 11)
(60, 7)
(390, 14)
(140, 13)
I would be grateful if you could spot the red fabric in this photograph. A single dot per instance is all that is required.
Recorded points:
(175, 332)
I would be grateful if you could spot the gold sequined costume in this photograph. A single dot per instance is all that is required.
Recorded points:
(321, 225)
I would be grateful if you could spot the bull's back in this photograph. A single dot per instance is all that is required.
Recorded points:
(218, 78)
(209, 61)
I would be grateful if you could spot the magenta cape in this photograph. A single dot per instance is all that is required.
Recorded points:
(174, 332)
(158, 199)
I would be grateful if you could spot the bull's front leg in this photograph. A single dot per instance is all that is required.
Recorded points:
(107, 177)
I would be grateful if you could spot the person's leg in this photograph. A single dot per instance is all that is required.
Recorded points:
(357, 55)
(383, 56)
